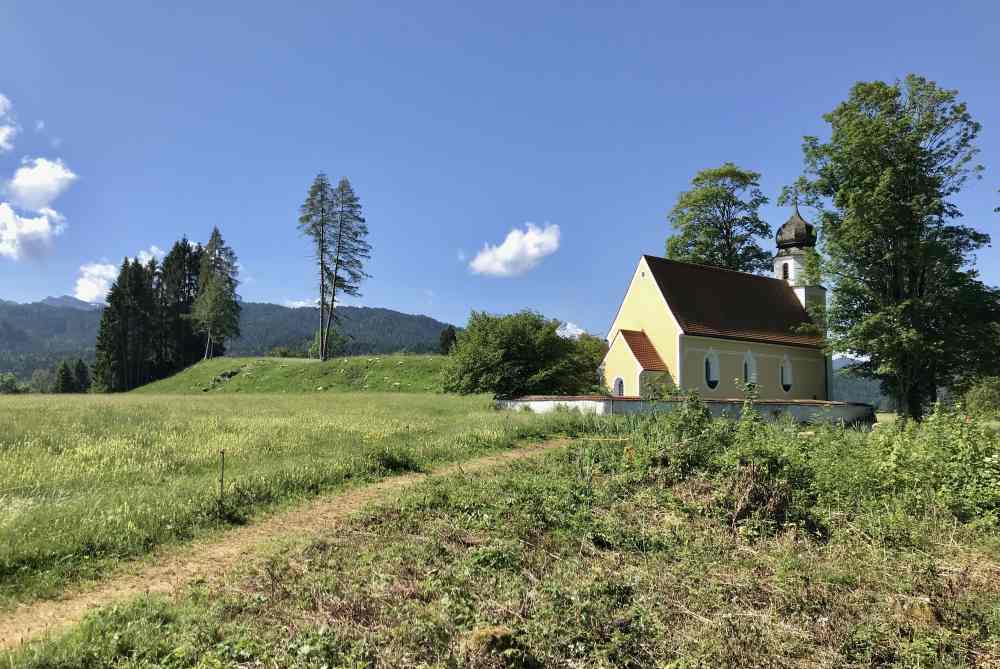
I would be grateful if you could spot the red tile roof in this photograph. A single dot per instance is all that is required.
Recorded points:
(644, 351)
(716, 302)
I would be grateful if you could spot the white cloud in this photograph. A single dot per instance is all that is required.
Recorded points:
(570, 330)
(38, 182)
(23, 236)
(8, 128)
(154, 251)
(7, 133)
(96, 277)
(39, 126)
(299, 304)
(519, 252)
(95, 281)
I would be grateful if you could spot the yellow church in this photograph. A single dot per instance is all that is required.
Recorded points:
(713, 330)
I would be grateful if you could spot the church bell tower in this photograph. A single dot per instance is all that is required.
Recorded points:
(795, 239)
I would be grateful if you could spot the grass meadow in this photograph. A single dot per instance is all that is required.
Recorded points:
(666, 541)
(385, 373)
(88, 481)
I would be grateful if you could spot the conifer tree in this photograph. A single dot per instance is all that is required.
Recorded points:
(65, 383)
(178, 291)
(349, 249)
(448, 338)
(316, 222)
(216, 310)
(81, 376)
(332, 219)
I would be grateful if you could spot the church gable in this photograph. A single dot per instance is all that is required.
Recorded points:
(644, 311)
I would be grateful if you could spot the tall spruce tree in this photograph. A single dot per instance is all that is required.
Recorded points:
(125, 358)
(717, 221)
(178, 291)
(216, 310)
(81, 376)
(316, 222)
(447, 339)
(906, 296)
(349, 249)
(332, 219)
(148, 329)
(65, 383)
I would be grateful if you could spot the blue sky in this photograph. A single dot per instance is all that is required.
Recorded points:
(137, 122)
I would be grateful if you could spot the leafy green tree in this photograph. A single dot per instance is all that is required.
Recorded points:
(520, 354)
(41, 381)
(717, 221)
(65, 382)
(216, 310)
(448, 337)
(906, 298)
(9, 384)
(81, 376)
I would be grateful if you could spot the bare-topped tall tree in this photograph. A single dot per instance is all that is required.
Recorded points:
(315, 222)
(332, 218)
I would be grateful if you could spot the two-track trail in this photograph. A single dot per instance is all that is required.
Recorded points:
(213, 557)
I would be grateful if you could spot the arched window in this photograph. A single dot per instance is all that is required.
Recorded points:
(749, 368)
(619, 387)
(784, 271)
(785, 374)
(712, 370)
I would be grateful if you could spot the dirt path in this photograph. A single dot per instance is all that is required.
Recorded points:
(214, 557)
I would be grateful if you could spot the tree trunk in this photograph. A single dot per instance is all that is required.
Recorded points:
(336, 271)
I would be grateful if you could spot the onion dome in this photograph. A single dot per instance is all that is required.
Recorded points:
(796, 233)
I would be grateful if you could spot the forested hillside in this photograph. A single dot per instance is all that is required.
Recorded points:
(37, 336)
(369, 330)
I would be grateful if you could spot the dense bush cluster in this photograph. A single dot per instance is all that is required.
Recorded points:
(522, 354)
(983, 398)
(772, 473)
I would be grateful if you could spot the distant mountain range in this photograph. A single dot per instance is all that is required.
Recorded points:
(39, 335)
(71, 302)
(852, 388)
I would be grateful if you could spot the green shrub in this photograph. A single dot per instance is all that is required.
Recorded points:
(521, 354)
(983, 398)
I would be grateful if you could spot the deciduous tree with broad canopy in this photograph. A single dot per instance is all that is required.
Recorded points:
(907, 299)
(717, 221)
(522, 354)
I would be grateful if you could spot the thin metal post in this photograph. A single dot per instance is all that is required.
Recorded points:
(222, 479)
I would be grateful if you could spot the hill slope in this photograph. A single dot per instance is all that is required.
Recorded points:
(391, 373)
(39, 335)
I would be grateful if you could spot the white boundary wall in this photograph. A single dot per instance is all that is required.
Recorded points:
(813, 411)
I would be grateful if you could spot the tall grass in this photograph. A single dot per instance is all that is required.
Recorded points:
(671, 540)
(87, 481)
